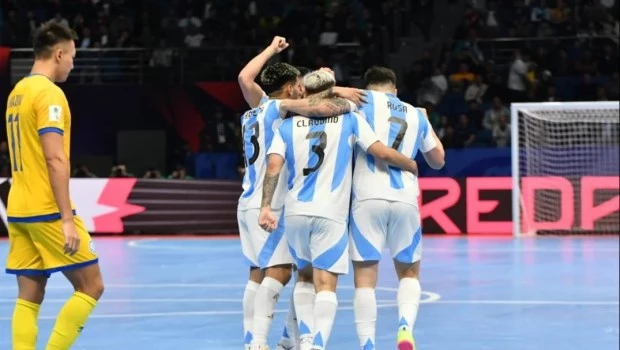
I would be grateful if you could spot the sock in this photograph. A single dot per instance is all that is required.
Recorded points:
(264, 304)
(408, 296)
(24, 325)
(71, 321)
(304, 308)
(290, 334)
(365, 309)
(325, 307)
(248, 311)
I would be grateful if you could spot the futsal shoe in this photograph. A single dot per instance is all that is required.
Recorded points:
(405, 339)
(280, 346)
(259, 347)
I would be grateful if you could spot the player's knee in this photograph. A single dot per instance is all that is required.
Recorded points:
(407, 270)
(93, 288)
(305, 275)
(325, 280)
(281, 273)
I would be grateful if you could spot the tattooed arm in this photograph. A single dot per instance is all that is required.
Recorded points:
(319, 105)
(267, 220)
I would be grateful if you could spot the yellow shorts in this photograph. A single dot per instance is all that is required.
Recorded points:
(37, 248)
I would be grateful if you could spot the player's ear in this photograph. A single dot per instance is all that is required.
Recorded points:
(58, 53)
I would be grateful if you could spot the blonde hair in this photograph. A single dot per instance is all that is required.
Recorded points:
(318, 81)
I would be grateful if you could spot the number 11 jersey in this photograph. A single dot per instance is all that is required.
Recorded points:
(402, 127)
(318, 155)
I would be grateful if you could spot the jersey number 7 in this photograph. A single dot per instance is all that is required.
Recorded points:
(16, 140)
(319, 150)
(402, 128)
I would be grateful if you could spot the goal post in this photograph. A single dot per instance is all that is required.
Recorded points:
(565, 168)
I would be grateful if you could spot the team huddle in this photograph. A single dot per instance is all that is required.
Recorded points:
(306, 208)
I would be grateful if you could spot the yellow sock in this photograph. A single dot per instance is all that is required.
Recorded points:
(70, 321)
(24, 325)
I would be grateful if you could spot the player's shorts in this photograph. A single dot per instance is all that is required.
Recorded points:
(260, 248)
(375, 224)
(320, 242)
(37, 248)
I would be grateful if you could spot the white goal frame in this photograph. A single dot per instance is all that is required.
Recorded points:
(514, 133)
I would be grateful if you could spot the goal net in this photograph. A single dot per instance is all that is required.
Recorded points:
(565, 168)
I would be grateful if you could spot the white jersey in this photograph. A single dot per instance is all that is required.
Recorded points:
(402, 127)
(318, 154)
(258, 127)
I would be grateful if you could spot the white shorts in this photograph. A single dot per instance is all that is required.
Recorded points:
(261, 248)
(376, 223)
(320, 242)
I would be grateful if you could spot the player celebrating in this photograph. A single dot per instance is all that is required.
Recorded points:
(319, 161)
(281, 81)
(384, 210)
(45, 236)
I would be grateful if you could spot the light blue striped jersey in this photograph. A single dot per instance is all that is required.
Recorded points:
(404, 128)
(318, 154)
(258, 127)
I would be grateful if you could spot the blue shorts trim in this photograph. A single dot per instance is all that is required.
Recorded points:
(37, 218)
(49, 272)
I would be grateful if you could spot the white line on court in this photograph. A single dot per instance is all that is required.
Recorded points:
(163, 244)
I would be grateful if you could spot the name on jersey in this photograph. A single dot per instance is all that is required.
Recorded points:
(253, 112)
(15, 101)
(397, 107)
(316, 121)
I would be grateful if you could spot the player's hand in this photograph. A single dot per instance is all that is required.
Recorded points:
(266, 220)
(72, 239)
(413, 168)
(278, 44)
(356, 96)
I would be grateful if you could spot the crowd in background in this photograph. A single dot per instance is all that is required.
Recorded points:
(465, 91)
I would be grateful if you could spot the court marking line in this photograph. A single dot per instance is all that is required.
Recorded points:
(143, 244)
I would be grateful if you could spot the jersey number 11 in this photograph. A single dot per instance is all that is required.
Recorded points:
(16, 142)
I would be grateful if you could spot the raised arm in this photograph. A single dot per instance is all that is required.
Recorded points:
(252, 92)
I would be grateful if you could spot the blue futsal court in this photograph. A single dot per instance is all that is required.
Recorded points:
(480, 293)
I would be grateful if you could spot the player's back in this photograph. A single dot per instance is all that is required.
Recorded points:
(398, 125)
(319, 156)
(258, 127)
(36, 106)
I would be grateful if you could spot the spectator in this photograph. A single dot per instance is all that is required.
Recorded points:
(82, 171)
(463, 75)
(464, 132)
(517, 78)
(180, 174)
(492, 115)
(152, 173)
(476, 90)
(501, 132)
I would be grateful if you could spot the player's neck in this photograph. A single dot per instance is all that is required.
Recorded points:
(42, 68)
(382, 88)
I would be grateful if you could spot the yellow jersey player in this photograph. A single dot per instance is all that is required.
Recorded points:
(45, 236)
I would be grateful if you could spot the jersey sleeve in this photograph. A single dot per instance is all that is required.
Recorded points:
(364, 136)
(50, 109)
(278, 146)
(428, 141)
(281, 112)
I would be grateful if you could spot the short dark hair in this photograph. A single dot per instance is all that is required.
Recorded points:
(48, 35)
(379, 76)
(275, 76)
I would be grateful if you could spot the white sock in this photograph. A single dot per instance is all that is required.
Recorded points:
(408, 296)
(264, 304)
(365, 309)
(325, 306)
(290, 334)
(248, 310)
(304, 295)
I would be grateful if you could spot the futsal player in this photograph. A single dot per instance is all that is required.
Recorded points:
(256, 298)
(45, 235)
(384, 210)
(318, 157)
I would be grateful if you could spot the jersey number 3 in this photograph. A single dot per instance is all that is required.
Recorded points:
(16, 142)
(319, 150)
(254, 142)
